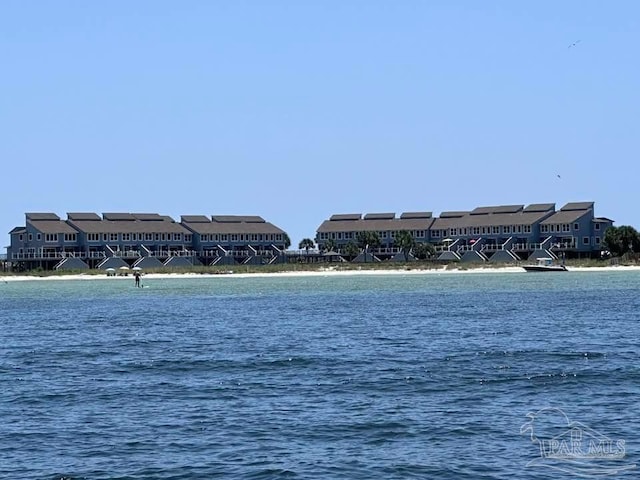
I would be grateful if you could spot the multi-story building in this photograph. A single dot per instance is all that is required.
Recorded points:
(343, 229)
(502, 233)
(225, 239)
(88, 240)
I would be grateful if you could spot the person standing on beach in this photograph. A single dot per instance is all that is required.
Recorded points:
(136, 275)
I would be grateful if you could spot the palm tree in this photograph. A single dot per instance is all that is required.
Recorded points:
(405, 242)
(286, 240)
(368, 240)
(424, 250)
(621, 240)
(351, 249)
(329, 245)
(306, 244)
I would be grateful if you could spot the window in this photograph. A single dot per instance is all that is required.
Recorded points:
(585, 240)
(177, 237)
(234, 237)
(576, 226)
(39, 237)
(51, 237)
(597, 227)
(566, 228)
(454, 232)
(113, 237)
(157, 236)
(544, 228)
(527, 229)
(126, 237)
(93, 237)
(475, 231)
(224, 237)
(597, 240)
(105, 237)
(31, 237)
(187, 238)
(495, 230)
(148, 237)
(436, 233)
(20, 237)
(69, 237)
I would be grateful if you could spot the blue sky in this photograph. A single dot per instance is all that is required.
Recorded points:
(298, 110)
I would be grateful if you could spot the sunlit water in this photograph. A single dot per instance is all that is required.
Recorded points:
(358, 377)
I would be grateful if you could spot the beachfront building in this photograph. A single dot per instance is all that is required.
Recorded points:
(145, 240)
(503, 233)
(575, 229)
(343, 229)
(232, 239)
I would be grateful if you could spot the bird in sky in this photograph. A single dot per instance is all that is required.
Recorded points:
(574, 44)
(558, 176)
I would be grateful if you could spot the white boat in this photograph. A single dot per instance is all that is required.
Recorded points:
(545, 264)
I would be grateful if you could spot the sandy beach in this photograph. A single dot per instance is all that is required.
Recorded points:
(330, 271)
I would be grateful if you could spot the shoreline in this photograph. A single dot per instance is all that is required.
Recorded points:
(322, 272)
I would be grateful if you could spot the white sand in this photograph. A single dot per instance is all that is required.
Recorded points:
(329, 271)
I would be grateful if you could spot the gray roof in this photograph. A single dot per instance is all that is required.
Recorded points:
(416, 215)
(497, 209)
(128, 223)
(602, 219)
(380, 225)
(230, 228)
(453, 214)
(18, 230)
(237, 218)
(380, 216)
(195, 219)
(42, 216)
(345, 216)
(566, 216)
(488, 220)
(52, 226)
(540, 207)
(121, 217)
(83, 216)
(577, 206)
(149, 217)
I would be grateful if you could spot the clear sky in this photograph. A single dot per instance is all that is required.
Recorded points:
(296, 110)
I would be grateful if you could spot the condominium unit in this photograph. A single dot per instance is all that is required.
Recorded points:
(504, 233)
(88, 240)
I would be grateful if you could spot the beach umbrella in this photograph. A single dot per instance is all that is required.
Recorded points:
(448, 240)
(136, 269)
(123, 268)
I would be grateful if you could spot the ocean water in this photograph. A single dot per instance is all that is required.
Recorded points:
(328, 377)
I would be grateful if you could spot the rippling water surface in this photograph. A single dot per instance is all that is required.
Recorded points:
(354, 377)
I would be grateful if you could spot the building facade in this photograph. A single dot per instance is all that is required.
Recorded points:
(503, 233)
(88, 240)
